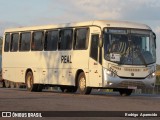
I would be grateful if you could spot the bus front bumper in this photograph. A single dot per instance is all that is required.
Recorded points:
(130, 83)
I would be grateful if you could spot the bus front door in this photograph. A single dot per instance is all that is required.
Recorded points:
(95, 78)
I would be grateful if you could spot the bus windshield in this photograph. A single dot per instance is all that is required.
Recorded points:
(129, 46)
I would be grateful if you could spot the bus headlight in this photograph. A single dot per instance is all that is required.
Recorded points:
(152, 75)
(109, 73)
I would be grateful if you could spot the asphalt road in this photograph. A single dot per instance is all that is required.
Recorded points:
(22, 100)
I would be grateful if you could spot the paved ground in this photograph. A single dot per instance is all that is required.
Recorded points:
(22, 100)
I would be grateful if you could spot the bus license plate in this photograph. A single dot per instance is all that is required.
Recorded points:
(132, 87)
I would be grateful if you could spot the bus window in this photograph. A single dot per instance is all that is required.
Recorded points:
(7, 41)
(81, 40)
(14, 42)
(94, 47)
(66, 37)
(37, 41)
(51, 40)
(24, 44)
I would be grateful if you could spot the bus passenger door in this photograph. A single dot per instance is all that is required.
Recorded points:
(94, 66)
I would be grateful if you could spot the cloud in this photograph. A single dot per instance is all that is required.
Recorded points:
(157, 30)
(97, 9)
(110, 9)
(63, 11)
(5, 24)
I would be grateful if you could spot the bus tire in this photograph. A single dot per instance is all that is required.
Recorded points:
(125, 92)
(82, 84)
(30, 82)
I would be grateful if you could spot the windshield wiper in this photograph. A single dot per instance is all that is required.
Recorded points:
(141, 57)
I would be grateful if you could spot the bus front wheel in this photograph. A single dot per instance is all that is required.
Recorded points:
(83, 89)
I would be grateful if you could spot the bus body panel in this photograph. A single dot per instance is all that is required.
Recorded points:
(60, 67)
(95, 67)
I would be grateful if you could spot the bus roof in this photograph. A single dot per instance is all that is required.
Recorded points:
(100, 23)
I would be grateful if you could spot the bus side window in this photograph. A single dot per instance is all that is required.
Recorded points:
(37, 41)
(66, 37)
(94, 47)
(24, 44)
(51, 40)
(7, 42)
(81, 39)
(14, 42)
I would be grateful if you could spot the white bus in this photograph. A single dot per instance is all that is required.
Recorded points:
(115, 55)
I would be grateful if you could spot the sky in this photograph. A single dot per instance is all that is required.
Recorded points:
(18, 13)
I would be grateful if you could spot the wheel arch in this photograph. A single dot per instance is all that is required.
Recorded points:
(28, 70)
(76, 76)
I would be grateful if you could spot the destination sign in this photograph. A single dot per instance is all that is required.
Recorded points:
(122, 31)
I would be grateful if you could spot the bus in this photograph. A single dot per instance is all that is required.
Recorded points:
(101, 54)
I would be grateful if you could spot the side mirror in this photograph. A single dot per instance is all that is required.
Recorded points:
(154, 37)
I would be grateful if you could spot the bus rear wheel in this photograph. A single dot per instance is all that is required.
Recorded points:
(30, 82)
(83, 89)
(125, 92)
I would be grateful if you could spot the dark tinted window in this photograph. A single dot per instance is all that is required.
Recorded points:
(37, 41)
(66, 39)
(94, 47)
(7, 41)
(51, 40)
(24, 44)
(14, 42)
(81, 40)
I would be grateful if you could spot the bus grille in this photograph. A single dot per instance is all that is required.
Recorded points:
(137, 84)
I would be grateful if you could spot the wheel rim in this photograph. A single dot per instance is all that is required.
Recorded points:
(29, 81)
(82, 83)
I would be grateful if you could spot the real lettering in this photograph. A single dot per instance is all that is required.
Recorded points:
(66, 59)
